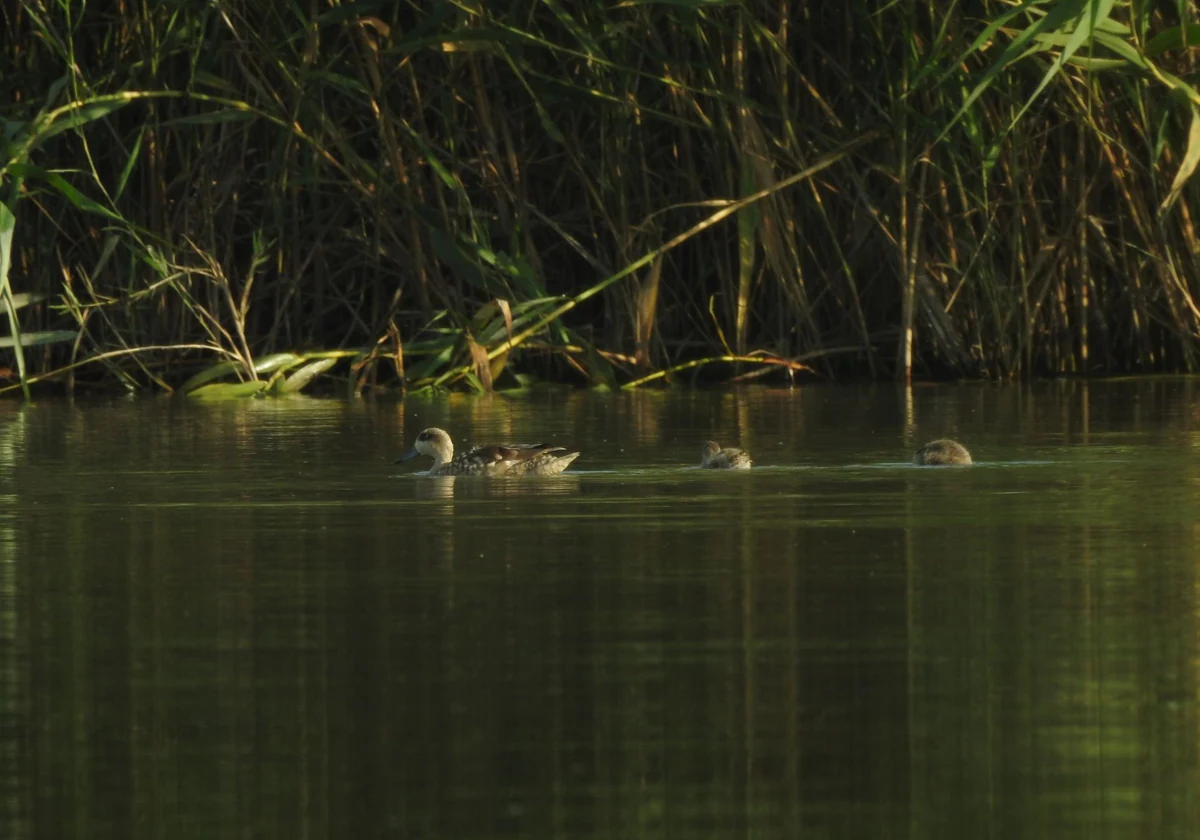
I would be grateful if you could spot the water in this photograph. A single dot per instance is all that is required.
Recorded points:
(243, 620)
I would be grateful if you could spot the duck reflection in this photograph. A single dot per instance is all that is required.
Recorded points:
(471, 487)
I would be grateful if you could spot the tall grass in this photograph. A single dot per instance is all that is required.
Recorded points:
(470, 193)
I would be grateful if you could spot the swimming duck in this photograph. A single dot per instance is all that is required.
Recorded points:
(713, 457)
(489, 459)
(942, 453)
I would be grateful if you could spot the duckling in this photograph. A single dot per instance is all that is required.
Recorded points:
(942, 453)
(713, 457)
(489, 459)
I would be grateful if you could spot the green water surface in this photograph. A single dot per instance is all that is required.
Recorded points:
(242, 620)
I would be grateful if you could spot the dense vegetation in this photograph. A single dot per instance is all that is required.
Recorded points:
(449, 193)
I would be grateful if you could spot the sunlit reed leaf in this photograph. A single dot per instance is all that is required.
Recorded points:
(30, 339)
(264, 365)
(276, 361)
(481, 363)
(1093, 14)
(53, 179)
(1059, 14)
(646, 307)
(1098, 65)
(716, 321)
(297, 381)
(7, 223)
(432, 363)
(229, 390)
(786, 364)
(210, 374)
(126, 170)
(80, 114)
(489, 318)
(1187, 166)
(26, 298)
(498, 328)
(473, 381)
(1122, 47)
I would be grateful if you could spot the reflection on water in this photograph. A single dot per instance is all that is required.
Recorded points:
(478, 487)
(220, 620)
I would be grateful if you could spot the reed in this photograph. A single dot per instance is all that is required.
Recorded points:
(470, 195)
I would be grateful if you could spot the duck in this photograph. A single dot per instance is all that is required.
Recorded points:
(942, 453)
(493, 459)
(713, 457)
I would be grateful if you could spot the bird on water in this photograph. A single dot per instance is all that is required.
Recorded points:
(493, 459)
(942, 453)
(713, 457)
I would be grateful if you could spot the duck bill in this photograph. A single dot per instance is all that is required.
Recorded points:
(408, 456)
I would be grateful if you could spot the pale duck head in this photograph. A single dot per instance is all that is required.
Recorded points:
(432, 442)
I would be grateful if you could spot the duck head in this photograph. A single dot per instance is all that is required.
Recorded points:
(432, 442)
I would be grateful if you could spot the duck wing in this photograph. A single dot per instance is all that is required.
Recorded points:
(495, 453)
(510, 453)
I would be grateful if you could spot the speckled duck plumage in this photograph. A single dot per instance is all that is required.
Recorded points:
(492, 459)
(942, 453)
(713, 457)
